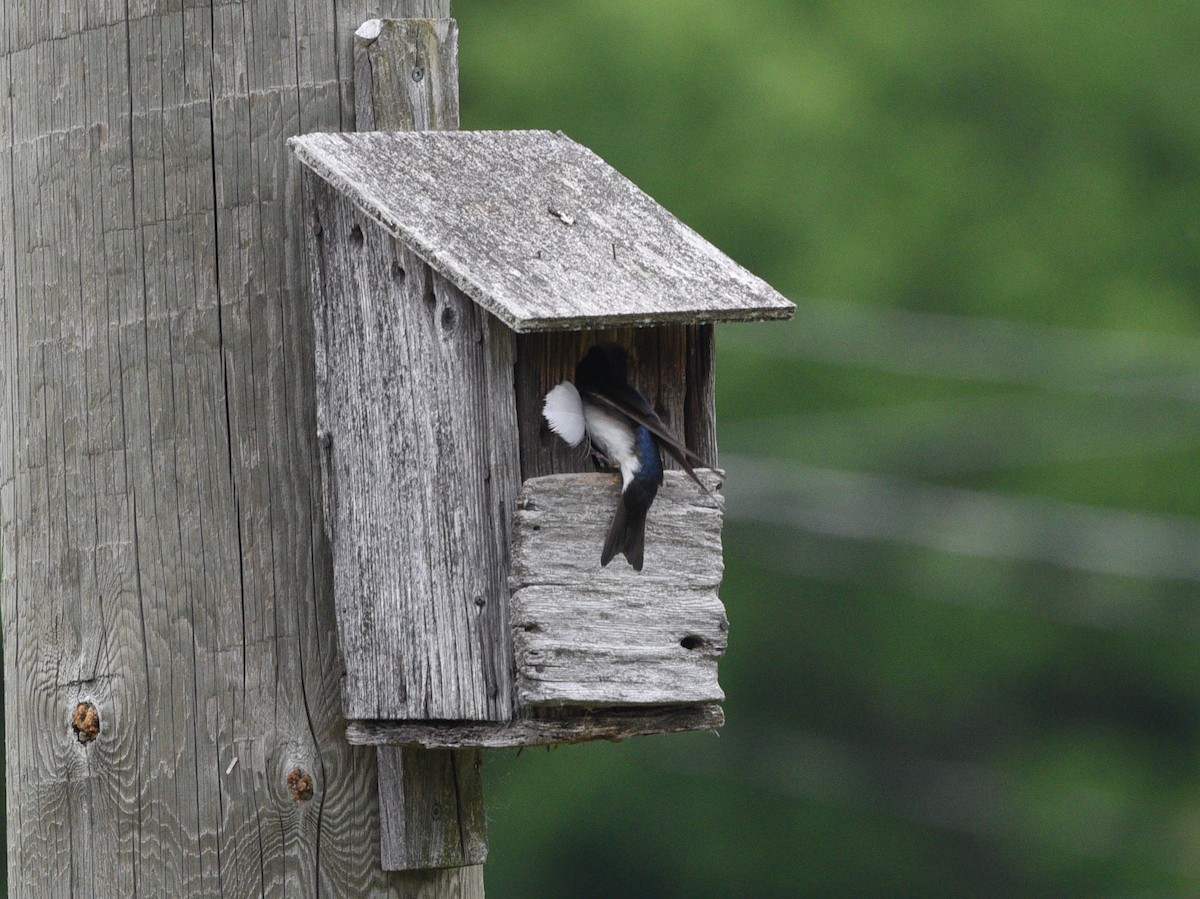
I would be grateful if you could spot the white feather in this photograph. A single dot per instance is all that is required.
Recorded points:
(563, 410)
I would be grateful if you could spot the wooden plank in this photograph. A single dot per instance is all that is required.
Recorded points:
(614, 725)
(158, 460)
(418, 513)
(424, 816)
(406, 75)
(700, 394)
(587, 635)
(415, 408)
(538, 230)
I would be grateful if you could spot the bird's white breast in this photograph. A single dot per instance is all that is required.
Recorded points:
(614, 438)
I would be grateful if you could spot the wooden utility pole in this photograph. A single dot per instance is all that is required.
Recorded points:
(171, 674)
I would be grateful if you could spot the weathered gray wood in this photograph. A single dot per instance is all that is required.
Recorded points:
(445, 883)
(700, 394)
(587, 635)
(406, 75)
(614, 725)
(416, 412)
(539, 230)
(425, 816)
(158, 465)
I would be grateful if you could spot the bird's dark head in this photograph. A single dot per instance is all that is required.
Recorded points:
(604, 364)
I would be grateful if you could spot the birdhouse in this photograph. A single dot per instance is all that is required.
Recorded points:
(457, 277)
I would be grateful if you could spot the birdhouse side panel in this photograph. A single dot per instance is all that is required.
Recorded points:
(415, 399)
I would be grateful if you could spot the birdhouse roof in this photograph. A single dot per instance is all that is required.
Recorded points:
(537, 229)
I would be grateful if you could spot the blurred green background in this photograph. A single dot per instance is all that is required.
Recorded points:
(963, 540)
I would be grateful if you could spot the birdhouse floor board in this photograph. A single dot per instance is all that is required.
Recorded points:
(599, 724)
(595, 636)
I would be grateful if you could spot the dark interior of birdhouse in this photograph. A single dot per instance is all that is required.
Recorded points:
(672, 365)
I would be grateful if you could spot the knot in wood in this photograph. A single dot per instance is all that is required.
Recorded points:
(300, 783)
(86, 722)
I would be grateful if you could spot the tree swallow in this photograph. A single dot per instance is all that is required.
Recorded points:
(624, 432)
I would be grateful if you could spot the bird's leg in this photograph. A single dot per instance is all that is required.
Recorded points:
(603, 462)
(600, 460)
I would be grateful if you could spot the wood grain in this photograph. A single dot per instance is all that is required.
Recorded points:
(593, 636)
(159, 513)
(420, 476)
(425, 816)
(406, 77)
(576, 726)
(538, 230)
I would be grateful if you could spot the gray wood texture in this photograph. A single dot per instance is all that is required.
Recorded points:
(614, 725)
(416, 411)
(159, 508)
(426, 817)
(587, 635)
(406, 75)
(431, 803)
(539, 230)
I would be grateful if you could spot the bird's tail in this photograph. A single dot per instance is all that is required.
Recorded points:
(628, 532)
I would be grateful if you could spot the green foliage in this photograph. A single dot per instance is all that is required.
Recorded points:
(908, 718)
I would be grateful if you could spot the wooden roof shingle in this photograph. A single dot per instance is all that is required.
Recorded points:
(537, 229)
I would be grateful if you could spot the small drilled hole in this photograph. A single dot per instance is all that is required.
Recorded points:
(356, 236)
(691, 642)
(398, 272)
(449, 318)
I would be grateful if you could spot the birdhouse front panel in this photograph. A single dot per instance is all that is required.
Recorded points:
(592, 635)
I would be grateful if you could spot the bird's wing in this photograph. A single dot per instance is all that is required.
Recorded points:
(640, 412)
(563, 410)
